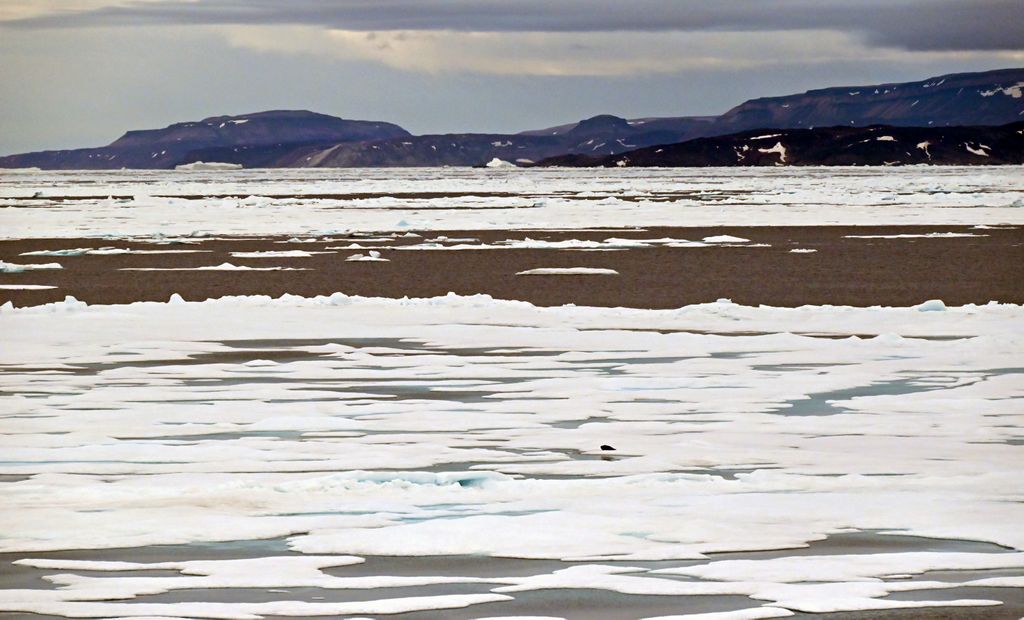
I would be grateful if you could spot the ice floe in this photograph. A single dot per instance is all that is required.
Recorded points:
(276, 254)
(104, 251)
(466, 425)
(568, 271)
(725, 239)
(6, 267)
(611, 243)
(220, 267)
(931, 235)
(373, 256)
(312, 202)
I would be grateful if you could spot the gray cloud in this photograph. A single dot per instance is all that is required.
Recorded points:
(917, 25)
(75, 87)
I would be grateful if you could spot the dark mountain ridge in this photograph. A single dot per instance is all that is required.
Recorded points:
(307, 139)
(877, 145)
(604, 134)
(987, 98)
(174, 145)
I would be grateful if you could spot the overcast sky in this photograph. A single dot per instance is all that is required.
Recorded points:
(79, 73)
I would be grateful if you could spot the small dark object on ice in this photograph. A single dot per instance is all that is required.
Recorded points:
(606, 447)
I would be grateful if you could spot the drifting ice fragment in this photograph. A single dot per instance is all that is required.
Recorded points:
(725, 239)
(374, 256)
(568, 271)
(15, 268)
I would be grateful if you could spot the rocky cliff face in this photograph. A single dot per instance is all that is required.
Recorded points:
(877, 145)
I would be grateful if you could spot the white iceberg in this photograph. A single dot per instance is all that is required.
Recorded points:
(208, 165)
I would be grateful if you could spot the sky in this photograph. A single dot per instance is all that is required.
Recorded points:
(76, 73)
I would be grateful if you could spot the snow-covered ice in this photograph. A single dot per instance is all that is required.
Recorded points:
(568, 271)
(345, 429)
(220, 267)
(6, 267)
(778, 148)
(373, 256)
(725, 239)
(314, 202)
(104, 251)
(456, 426)
(931, 235)
(611, 243)
(276, 254)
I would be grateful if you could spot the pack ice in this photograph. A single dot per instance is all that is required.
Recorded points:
(350, 430)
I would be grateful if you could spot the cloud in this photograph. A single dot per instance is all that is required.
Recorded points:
(41, 11)
(923, 25)
(78, 87)
(608, 54)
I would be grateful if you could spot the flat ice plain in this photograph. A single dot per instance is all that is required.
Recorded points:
(151, 204)
(353, 457)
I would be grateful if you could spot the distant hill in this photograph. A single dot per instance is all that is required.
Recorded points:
(278, 131)
(604, 134)
(988, 98)
(878, 145)
(307, 139)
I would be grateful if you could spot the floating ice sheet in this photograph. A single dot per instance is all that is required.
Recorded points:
(461, 426)
(220, 267)
(568, 271)
(6, 267)
(373, 256)
(326, 202)
(932, 235)
(106, 251)
(276, 254)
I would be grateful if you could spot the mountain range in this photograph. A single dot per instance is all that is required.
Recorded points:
(877, 145)
(970, 102)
